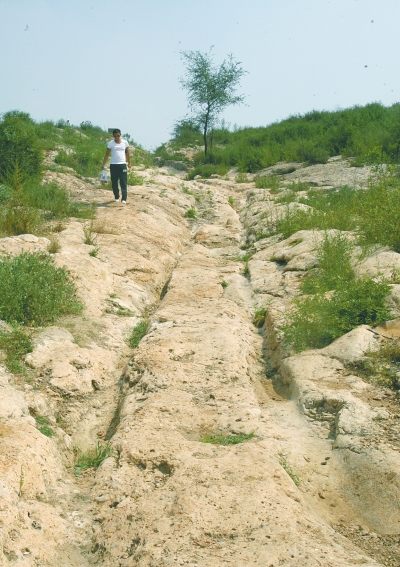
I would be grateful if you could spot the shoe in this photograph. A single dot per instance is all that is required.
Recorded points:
(117, 200)
(124, 202)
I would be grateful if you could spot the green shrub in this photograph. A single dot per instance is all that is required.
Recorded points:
(35, 292)
(15, 344)
(382, 366)
(339, 301)
(286, 198)
(190, 214)
(241, 178)
(267, 182)
(207, 170)
(134, 178)
(298, 186)
(379, 218)
(137, 333)
(334, 269)
(317, 320)
(259, 316)
(19, 144)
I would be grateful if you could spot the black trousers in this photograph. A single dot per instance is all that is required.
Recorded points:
(119, 172)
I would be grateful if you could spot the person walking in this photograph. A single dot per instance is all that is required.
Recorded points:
(120, 160)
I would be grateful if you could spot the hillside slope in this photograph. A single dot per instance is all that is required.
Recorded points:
(314, 479)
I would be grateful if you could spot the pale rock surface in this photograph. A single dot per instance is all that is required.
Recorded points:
(166, 497)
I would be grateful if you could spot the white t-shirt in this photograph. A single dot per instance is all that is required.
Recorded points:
(118, 151)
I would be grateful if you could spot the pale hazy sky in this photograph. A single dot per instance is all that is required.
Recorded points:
(117, 63)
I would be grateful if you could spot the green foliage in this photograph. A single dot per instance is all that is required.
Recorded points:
(298, 186)
(241, 178)
(379, 216)
(94, 253)
(207, 170)
(35, 292)
(187, 132)
(19, 144)
(286, 197)
(337, 300)
(224, 284)
(224, 439)
(190, 214)
(134, 178)
(44, 427)
(334, 269)
(382, 366)
(15, 344)
(271, 182)
(138, 332)
(92, 458)
(259, 316)
(231, 201)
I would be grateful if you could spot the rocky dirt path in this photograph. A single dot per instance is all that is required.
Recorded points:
(283, 497)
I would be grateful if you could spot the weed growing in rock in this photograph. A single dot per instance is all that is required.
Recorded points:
(298, 186)
(94, 253)
(259, 316)
(33, 291)
(246, 271)
(89, 235)
(92, 459)
(44, 427)
(224, 284)
(286, 198)
(190, 214)
(231, 201)
(271, 182)
(124, 312)
(229, 439)
(288, 469)
(241, 178)
(15, 344)
(382, 366)
(137, 333)
(54, 245)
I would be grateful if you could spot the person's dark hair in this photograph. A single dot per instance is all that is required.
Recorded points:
(116, 131)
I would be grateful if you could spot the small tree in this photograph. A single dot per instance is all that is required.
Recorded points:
(210, 88)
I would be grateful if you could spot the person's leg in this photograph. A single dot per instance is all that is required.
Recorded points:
(124, 181)
(114, 179)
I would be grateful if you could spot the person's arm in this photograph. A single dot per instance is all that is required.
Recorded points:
(128, 156)
(106, 158)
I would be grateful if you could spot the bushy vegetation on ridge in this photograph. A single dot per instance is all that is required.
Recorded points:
(368, 134)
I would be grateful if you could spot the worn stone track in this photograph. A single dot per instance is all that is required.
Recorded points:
(288, 496)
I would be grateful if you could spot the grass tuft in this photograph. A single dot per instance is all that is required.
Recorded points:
(44, 427)
(229, 439)
(92, 459)
(190, 214)
(138, 332)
